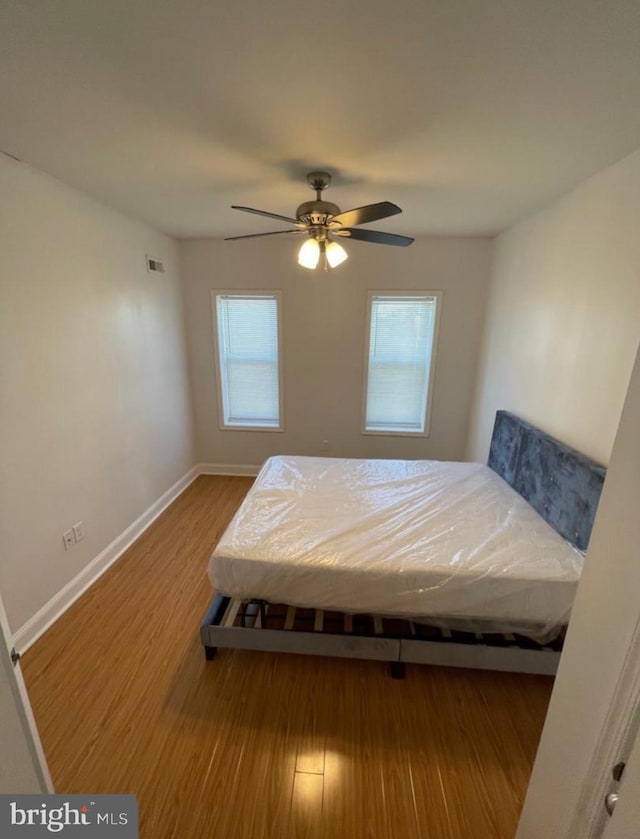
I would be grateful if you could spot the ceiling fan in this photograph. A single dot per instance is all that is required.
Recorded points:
(323, 222)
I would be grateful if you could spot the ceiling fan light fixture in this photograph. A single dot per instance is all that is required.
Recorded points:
(309, 254)
(336, 254)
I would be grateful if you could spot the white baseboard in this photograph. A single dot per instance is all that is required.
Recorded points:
(228, 469)
(51, 611)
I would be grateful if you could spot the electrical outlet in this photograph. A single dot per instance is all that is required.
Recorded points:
(325, 445)
(67, 538)
(78, 531)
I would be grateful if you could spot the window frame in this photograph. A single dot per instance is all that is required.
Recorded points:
(393, 294)
(256, 292)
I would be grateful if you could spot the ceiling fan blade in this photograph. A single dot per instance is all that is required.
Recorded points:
(374, 236)
(270, 233)
(265, 213)
(363, 215)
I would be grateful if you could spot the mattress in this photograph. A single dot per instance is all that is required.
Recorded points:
(447, 543)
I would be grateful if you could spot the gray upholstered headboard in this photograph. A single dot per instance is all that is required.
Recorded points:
(563, 485)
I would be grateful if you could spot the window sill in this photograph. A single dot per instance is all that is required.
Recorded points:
(268, 428)
(388, 433)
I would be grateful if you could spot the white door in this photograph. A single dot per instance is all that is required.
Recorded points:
(625, 822)
(597, 688)
(23, 767)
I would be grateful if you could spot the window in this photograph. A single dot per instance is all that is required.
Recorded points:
(400, 361)
(247, 343)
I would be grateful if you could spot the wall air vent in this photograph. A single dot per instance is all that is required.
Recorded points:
(155, 266)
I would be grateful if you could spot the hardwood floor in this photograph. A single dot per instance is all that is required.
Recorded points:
(257, 745)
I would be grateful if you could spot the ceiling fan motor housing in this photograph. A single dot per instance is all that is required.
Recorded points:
(316, 212)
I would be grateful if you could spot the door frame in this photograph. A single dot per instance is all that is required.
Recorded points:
(23, 705)
(615, 742)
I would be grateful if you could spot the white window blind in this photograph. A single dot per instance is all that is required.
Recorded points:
(248, 358)
(401, 338)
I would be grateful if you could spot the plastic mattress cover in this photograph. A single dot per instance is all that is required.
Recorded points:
(450, 544)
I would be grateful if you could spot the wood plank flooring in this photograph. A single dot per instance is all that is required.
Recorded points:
(257, 745)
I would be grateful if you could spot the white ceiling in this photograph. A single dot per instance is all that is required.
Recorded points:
(466, 113)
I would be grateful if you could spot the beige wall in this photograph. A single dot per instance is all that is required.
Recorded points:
(324, 319)
(94, 404)
(563, 320)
